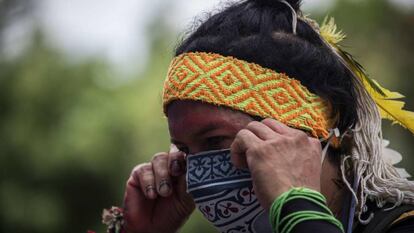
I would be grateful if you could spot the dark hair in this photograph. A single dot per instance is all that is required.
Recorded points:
(260, 31)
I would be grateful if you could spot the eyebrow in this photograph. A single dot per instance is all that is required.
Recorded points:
(208, 128)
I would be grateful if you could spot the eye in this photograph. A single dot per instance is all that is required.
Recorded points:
(216, 142)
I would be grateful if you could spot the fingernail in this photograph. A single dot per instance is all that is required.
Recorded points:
(173, 148)
(164, 187)
(175, 167)
(150, 190)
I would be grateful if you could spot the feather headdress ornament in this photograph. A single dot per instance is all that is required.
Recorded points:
(375, 176)
(388, 102)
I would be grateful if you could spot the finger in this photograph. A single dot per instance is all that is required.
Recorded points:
(144, 174)
(279, 127)
(261, 130)
(173, 148)
(177, 158)
(180, 187)
(134, 203)
(244, 140)
(316, 144)
(162, 176)
(176, 163)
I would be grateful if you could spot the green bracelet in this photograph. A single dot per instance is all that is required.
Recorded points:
(294, 193)
(291, 220)
(295, 218)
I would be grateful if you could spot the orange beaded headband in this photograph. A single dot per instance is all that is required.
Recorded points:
(247, 87)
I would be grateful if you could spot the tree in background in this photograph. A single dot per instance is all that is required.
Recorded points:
(381, 36)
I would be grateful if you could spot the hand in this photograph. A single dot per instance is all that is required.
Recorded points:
(278, 157)
(156, 200)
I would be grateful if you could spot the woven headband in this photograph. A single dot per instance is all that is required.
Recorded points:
(247, 87)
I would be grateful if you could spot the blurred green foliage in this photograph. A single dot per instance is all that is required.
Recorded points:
(70, 132)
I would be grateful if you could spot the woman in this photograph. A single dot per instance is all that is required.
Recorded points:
(266, 82)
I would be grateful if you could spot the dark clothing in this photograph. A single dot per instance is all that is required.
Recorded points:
(387, 221)
(405, 226)
(381, 217)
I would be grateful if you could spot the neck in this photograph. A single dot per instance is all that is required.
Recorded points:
(333, 188)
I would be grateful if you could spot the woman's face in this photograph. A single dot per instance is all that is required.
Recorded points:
(196, 126)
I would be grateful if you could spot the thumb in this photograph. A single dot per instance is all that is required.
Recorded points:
(181, 189)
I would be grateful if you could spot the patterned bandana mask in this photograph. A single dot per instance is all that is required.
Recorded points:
(224, 194)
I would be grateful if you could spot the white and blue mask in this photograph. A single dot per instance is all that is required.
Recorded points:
(224, 194)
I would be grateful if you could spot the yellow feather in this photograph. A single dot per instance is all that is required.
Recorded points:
(391, 108)
(329, 31)
(388, 102)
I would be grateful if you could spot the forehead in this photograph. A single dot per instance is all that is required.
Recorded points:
(190, 116)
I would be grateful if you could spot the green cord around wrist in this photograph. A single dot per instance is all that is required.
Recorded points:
(291, 220)
(295, 218)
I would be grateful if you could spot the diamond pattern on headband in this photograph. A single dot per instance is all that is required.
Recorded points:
(244, 86)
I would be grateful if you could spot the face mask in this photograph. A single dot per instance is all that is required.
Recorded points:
(225, 194)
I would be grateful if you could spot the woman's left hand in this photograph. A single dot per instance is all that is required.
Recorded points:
(278, 157)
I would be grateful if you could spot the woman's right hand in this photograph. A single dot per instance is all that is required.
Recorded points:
(156, 200)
